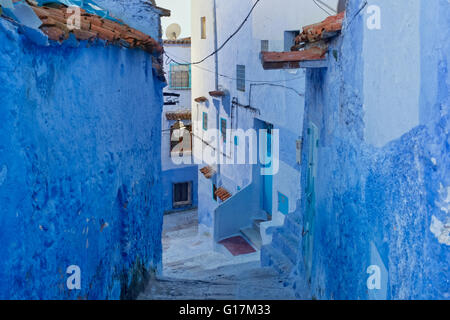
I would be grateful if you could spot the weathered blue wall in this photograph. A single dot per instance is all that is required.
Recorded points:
(384, 205)
(80, 141)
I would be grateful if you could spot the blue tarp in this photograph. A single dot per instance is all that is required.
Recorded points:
(88, 5)
(29, 22)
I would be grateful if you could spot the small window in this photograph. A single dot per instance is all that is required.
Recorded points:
(240, 75)
(223, 129)
(264, 45)
(214, 189)
(205, 121)
(283, 203)
(203, 27)
(179, 76)
(182, 194)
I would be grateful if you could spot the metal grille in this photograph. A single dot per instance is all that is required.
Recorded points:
(264, 45)
(240, 75)
(180, 76)
(223, 129)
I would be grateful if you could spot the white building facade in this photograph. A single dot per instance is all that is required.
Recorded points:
(180, 177)
(233, 94)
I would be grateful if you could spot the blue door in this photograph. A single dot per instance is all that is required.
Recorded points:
(268, 178)
(308, 227)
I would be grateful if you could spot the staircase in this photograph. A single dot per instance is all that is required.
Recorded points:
(253, 233)
(282, 252)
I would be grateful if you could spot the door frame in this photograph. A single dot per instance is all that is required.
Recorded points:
(310, 208)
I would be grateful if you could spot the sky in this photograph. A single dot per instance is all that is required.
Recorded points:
(180, 13)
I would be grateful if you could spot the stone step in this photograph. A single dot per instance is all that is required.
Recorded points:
(257, 223)
(270, 257)
(254, 236)
(287, 243)
(292, 225)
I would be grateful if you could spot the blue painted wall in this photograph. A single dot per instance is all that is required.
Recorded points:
(381, 201)
(80, 169)
(169, 177)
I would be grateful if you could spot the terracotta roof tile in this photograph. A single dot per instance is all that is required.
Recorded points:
(291, 59)
(223, 194)
(93, 27)
(200, 99)
(328, 28)
(208, 172)
(178, 41)
(179, 115)
(217, 93)
(308, 52)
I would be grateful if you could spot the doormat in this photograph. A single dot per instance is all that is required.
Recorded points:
(237, 245)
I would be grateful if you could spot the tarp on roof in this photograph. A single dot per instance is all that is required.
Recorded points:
(88, 5)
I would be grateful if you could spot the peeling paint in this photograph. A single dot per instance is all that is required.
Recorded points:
(440, 230)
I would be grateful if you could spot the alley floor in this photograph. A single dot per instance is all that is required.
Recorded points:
(194, 269)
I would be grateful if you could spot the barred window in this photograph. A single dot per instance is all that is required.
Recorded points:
(223, 129)
(180, 76)
(264, 45)
(240, 73)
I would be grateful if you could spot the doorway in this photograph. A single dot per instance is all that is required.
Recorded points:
(310, 212)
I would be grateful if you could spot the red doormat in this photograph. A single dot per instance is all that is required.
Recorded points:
(237, 245)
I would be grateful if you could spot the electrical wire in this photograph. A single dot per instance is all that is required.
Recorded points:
(230, 77)
(362, 6)
(277, 85)
(327, 6)
(226, 41)
(323, 9)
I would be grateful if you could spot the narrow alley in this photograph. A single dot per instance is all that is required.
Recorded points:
(193, 270)
(224, 150)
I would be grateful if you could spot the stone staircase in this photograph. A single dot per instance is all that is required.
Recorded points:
(281, 254)
(253, 233)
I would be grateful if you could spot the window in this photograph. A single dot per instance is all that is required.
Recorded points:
(180, 139)
(264, 45)
(182, 194)
(179, 76)
(203, 27)
(240, 75)
(223, 129)
(283, 203)
(289, 39)
(205, 121)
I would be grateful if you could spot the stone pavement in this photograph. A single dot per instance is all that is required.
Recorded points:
(195, 268)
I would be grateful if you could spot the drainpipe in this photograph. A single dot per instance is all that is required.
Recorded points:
(216, 62)
(216, 56)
